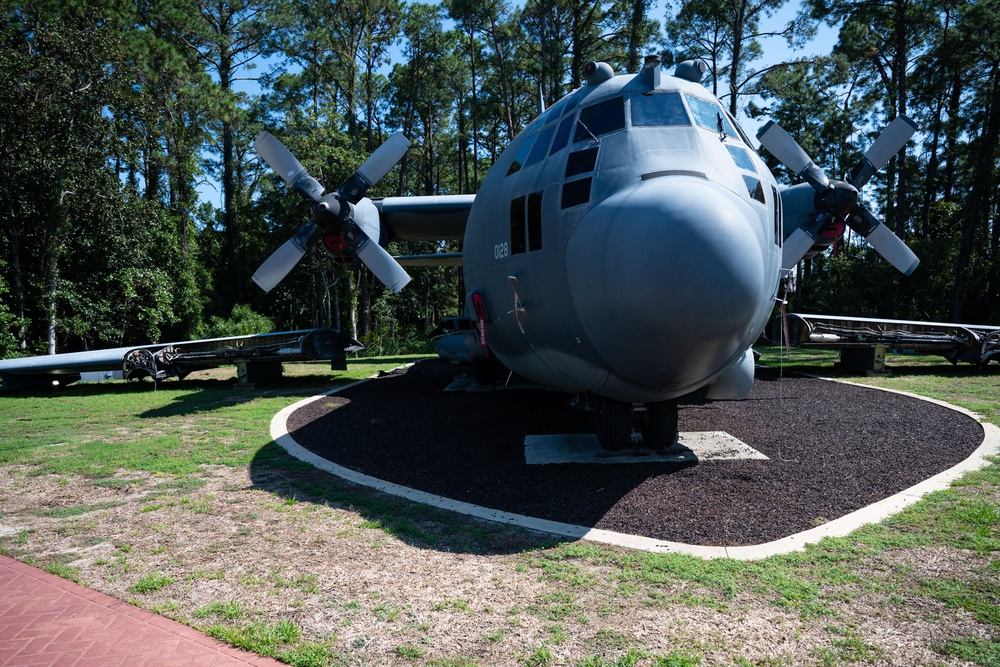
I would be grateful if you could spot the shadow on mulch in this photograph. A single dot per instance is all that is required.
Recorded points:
(833, 448)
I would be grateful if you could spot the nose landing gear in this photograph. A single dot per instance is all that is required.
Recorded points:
(615, 419)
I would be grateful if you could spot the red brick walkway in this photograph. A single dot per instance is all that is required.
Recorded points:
(47, 620)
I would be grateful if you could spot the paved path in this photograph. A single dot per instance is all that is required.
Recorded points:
(47, 620)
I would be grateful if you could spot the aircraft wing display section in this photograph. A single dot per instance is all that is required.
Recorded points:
(971, 343)
(435, 259)
(258, 358)
(430, 218)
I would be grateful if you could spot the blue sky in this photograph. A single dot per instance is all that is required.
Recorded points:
(775, 50)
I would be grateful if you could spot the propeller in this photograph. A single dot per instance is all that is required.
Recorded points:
(333, 212)
(838, 200)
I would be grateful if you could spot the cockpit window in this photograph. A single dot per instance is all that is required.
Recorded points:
(710, 116)
(741, 158)
(658, 109)
(739, 129)
(522, 155)
(563, 106)
(754, 188)
(541, 145)
(600, 118)
(562, 135)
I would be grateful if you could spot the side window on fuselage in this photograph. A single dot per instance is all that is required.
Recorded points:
(779, 232)
(517, 238)
(526, 224)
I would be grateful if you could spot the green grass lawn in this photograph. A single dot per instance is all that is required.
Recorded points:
(106, 432)
(171, 428)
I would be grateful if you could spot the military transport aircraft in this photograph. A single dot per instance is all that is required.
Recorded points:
(628, 244)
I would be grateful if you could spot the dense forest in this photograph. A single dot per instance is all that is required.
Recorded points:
(117, 115)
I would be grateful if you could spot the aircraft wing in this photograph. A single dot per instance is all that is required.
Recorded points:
(64, 364)
(427, 218)
(434, 259)
(164, 360)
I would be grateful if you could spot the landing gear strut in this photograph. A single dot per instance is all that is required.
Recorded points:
(658, 424)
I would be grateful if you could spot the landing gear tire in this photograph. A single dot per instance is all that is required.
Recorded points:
(659, 429)
(614, 424)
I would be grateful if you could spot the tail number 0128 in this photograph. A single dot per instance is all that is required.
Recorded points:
(501, 250)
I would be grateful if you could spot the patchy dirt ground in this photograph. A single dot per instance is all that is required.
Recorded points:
(375, 580)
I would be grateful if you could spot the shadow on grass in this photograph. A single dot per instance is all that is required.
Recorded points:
(201, 396)
(275, 471)
(469, 447)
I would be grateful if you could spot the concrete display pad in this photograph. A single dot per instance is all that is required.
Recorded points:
(584, 448)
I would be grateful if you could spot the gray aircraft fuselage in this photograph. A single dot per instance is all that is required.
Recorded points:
(626, 243)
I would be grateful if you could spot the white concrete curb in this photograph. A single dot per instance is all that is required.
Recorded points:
(836, 528)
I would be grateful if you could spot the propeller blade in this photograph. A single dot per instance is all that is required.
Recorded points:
(782, 146)
(890, 246)
(892, 139)
(284, 259)
(384, 158)
(375, 257)
(375, 167)
(281, 160)
(890, 142)
(795, 248)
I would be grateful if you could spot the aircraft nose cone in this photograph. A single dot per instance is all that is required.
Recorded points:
(666, 277)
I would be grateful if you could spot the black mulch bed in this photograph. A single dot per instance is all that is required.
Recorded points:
(832, 448)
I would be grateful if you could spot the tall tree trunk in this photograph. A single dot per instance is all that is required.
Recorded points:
(229, 185)
(15, 264)
(979, 196)
(635, 25)
(58, 225)
(508, 102)
(737, 60)
(334, 300)
(364, 302)
(930, 184)
(475, 110)
(900, 62)
(952, 134)
(352, 305)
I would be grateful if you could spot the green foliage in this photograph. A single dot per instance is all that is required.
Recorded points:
(276, 640)
(974, 649)
(63, 570)
(77, 510)
(116, 114)
(150, 583)
(243, 322)
(8, 341)
(230, 610)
